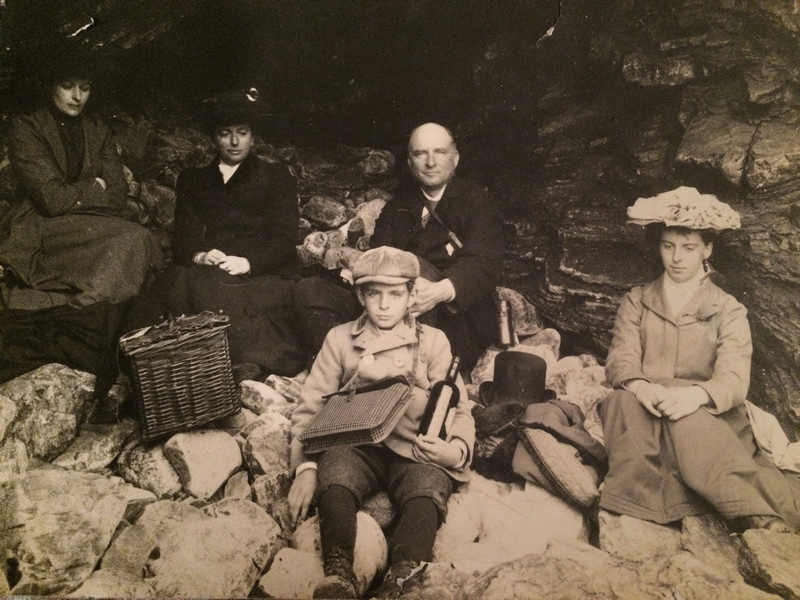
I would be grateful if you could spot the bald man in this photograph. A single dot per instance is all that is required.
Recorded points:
(456, 230)
(454, 227)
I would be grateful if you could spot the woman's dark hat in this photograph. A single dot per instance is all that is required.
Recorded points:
(61, 59)
(233, 108)
(518, 377)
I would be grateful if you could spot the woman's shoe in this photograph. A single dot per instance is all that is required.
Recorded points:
(768, 522)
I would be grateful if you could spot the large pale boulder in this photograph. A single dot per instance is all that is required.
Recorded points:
(768, 560)
(50, 402)
(628, 537)
(288, 387)
(270, 491)
(97, 446)
(491, 523)
(146, 466)
(130, 549)
(257, 396)
(220, 556)
(371, 551)
(179, 550)
(13, 459)
(57, 524)
(105, 583)
(238, 486)
(293, 574)
(8, 409)
(203, 459)
(266, 448)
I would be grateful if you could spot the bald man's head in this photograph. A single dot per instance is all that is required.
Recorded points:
(432, 156)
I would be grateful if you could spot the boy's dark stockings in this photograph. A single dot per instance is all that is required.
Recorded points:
(415, 532)
(413, 536)
(337, 520)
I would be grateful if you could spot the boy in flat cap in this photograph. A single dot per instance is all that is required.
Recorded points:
(418, 472)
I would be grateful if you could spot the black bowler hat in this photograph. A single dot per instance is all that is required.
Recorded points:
(518, 377)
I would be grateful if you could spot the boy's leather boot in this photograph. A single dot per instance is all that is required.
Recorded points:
(340, 579)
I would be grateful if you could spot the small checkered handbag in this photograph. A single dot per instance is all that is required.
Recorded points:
(361, 415)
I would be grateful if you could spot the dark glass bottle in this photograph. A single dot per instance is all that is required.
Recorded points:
(442, 404)
(505, 325)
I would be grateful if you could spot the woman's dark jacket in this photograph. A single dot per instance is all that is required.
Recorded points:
(253, 215)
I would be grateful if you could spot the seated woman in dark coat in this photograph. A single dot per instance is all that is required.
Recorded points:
(236, 226)
(66, 239)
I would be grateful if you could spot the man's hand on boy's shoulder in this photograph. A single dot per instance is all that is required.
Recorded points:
(300, 496)
(435, 450)
(430, 294)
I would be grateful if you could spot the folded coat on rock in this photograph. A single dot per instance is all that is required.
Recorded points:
(556, 452)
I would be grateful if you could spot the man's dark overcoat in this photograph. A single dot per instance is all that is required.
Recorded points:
(469, 211)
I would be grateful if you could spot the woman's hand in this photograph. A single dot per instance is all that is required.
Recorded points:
(300, 496)
(431, 449)
(212, 257)
(235, 265)
(649, 395)
(679, 402)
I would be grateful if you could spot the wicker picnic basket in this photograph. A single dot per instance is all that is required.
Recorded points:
(182, 375)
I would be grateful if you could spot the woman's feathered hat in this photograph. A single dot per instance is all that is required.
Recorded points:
(684, 207)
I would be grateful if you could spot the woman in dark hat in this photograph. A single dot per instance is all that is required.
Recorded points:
(236, 226)
(676, 428)
(66, 240)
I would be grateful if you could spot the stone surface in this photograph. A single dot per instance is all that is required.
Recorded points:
(57, 524)
(257, 396)
(50, 402)
(717, 143)
(371, 551)
(379, 506)
(293, 574)
(265, 447)
(768, 560)
(270, 492)
(631, 538)
(104, 583)
(203, 459)
(179, 550)
(238, 486)
(8, 409)
(13, 459)
(493, 523)
(97, 446)
(146, 466)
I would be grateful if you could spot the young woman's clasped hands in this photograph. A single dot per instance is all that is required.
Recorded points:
(671, 402)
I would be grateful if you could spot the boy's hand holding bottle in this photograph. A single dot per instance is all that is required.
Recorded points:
(432, 449)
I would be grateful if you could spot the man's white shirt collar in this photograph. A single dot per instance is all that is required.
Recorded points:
(227, 170)
(435, 198)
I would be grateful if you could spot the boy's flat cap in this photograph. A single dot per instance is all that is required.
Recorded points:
(385, 265)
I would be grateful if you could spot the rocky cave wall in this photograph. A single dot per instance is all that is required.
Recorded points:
(567, 110)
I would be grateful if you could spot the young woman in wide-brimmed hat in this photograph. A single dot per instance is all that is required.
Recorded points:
(676, 428)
